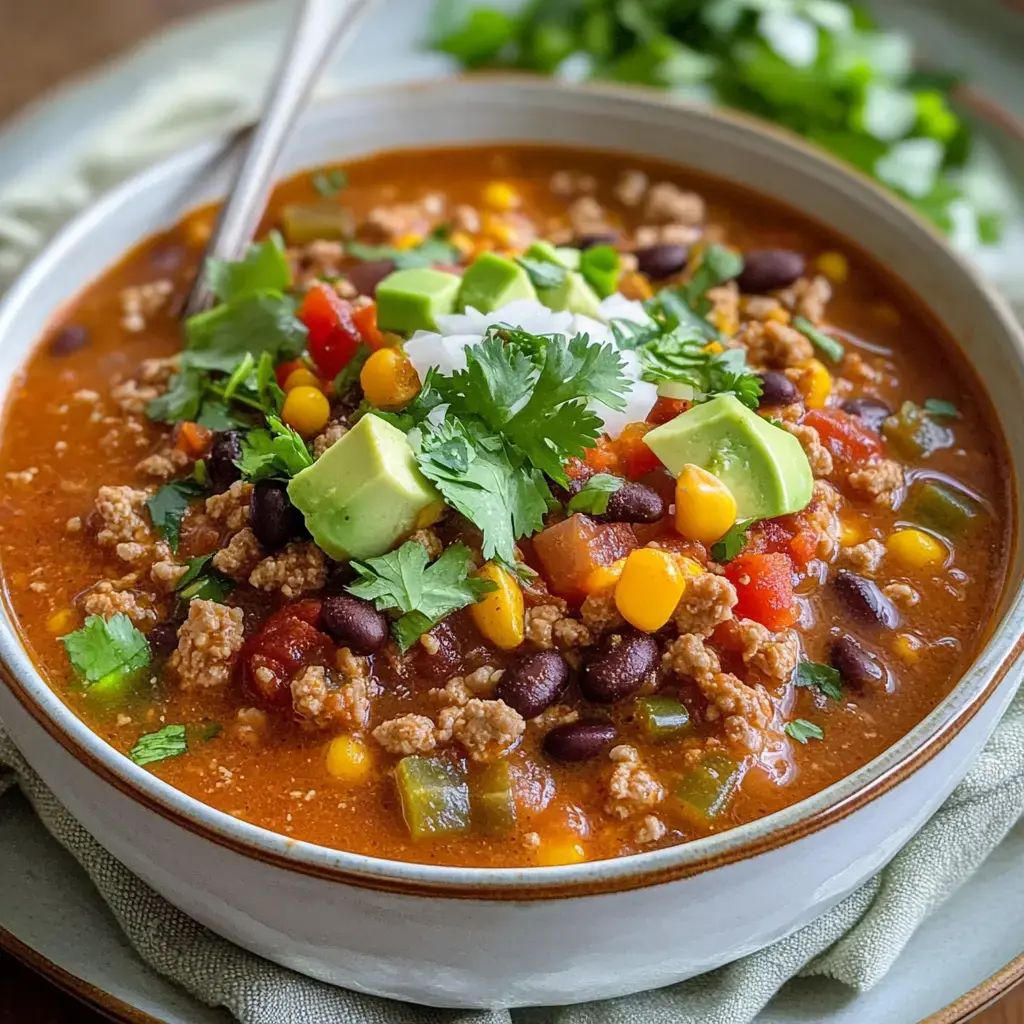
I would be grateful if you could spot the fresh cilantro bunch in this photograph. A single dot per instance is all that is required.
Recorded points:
(277, 451)
(231, 350)
(107, 654)
(422, 594)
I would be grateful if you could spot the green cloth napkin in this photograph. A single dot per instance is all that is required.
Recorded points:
(855, 943)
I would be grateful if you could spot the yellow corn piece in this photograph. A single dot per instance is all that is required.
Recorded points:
(306, 410)
(559, 851)
(430, 514)
(851, 531)
(604, 577)
(907, 647)
(500, 196)
(705, 507)
(408, 241)
(780, 315)
(635, 285)
(714, 347)
(834, 265)
(302, 377)
(915, 549)
(649, 588)
(62, 622)
(816, 384)
(463, 242)
(726, 321)
(499, 614)
(349, 759)
(500, 232)
(388, 379)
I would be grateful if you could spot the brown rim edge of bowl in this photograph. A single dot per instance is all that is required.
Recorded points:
(642, 879)
(774, 840)
(84, 991)
(981, 997)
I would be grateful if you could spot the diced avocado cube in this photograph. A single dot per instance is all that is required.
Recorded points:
(435, 797)
(705, 791)
(493, 800)
(409, 300)
(491, 282)
(563, 256)
(573, 294)
(762, 465)
(365, 493)
(662, 719)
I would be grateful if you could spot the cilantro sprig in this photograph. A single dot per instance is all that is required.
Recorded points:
(593, 496)
(106, 648)
(801, 730)
(168, 506)
(201, 581)
(274, 452)
(434, 249)
(170, 741)
(403, 582)
(828, 346)
(822, 677)
(726, 548)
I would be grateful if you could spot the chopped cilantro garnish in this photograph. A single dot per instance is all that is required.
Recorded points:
(731, 543)
(435, 249)
(717, 265)
(593, 496)
(277, 451)
(801, 730)
(264, 268)
(330, 182)
(168, 506)
(941, 408)
(543, 274)
(170, 741)
(824, 677)
(600, 266)
(832, 349)
(200, 580)
(104, 647)
(402, 581)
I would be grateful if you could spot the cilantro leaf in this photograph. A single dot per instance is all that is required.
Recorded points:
(600, 266)
(264, 268)
(402, 581)
(828, 346)
(717, 265)
(330, 182)
(435, 249)
(200, 580)
(801, 730)
(277, 451)
(671, 309)
(168, 506)
(103, 647)
(217, 415)
(170, 741)
(726, 548)
(941, 408)
(630, 336)
(593, 496)
(824, 677)
(182, 400)
(543, 274)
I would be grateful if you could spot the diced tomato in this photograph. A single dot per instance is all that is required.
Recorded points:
(333, 336)
(603, 457)
(666, 409)
(283, 371)
(365, 319)
(764, 586)
(787, 534)
(844, 435)
(287, 642)
(635, 457)
(577, 469)
(194, 440)
(569, 551)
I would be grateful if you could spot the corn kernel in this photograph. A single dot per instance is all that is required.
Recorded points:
(726, 321)
(499, 614)
(635, 285)
(705, 507)
(649, 588)
(62, 622)
(408, 241)
(500, 232)
(306, 410)
(816, 384)
(388, 379)
(780, 315)
(834, 265)
(908, 648)
(915, 549)
(560, 851)
(463, 242)
(430, 514)
(302, 377)
(604, 577)
(851, 531)
(349, 759)
(714, 347)
(501, 196)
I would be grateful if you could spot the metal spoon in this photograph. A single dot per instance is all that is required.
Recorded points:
(319, 27)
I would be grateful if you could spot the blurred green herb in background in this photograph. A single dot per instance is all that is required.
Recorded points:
(822, 68)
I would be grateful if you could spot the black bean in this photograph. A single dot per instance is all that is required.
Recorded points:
(365, 277)
(220, 464)
(776, 389)
(339, 576)
(578, 741)
(865, 600)
(661, 261)
(872, 412)
(856, 667)
(766, 270)
(634, 503)
(599, 238)
(619, 666)
(272, 516)
(354, 623)
(534, 682)
(163, 639)
(68, 339)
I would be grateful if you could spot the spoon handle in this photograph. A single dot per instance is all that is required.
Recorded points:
(319, 27)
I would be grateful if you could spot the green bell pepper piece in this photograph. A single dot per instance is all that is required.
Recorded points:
(914, 434)
(943, 508)
(435, 797)
(493, 800)
(705, 791)
(302, 223)
(662, 719)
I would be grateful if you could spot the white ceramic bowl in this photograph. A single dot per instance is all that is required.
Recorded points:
(506, 937)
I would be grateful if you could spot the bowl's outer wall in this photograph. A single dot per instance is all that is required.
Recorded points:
(485, 952)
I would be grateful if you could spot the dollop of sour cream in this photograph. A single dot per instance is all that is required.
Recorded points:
(445, 350)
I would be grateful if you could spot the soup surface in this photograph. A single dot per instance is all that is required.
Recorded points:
(697, 517)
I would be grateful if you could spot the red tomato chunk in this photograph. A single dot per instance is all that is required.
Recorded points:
(569, 551)
(844, 435)
(764, 586)
(333, 336)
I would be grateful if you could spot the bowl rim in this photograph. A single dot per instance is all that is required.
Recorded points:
(1002, 648)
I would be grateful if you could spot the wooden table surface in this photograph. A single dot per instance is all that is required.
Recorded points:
(42, 42)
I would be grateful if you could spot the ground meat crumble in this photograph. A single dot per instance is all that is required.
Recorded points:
(632, 789)
(297, 568)
(208, 642)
